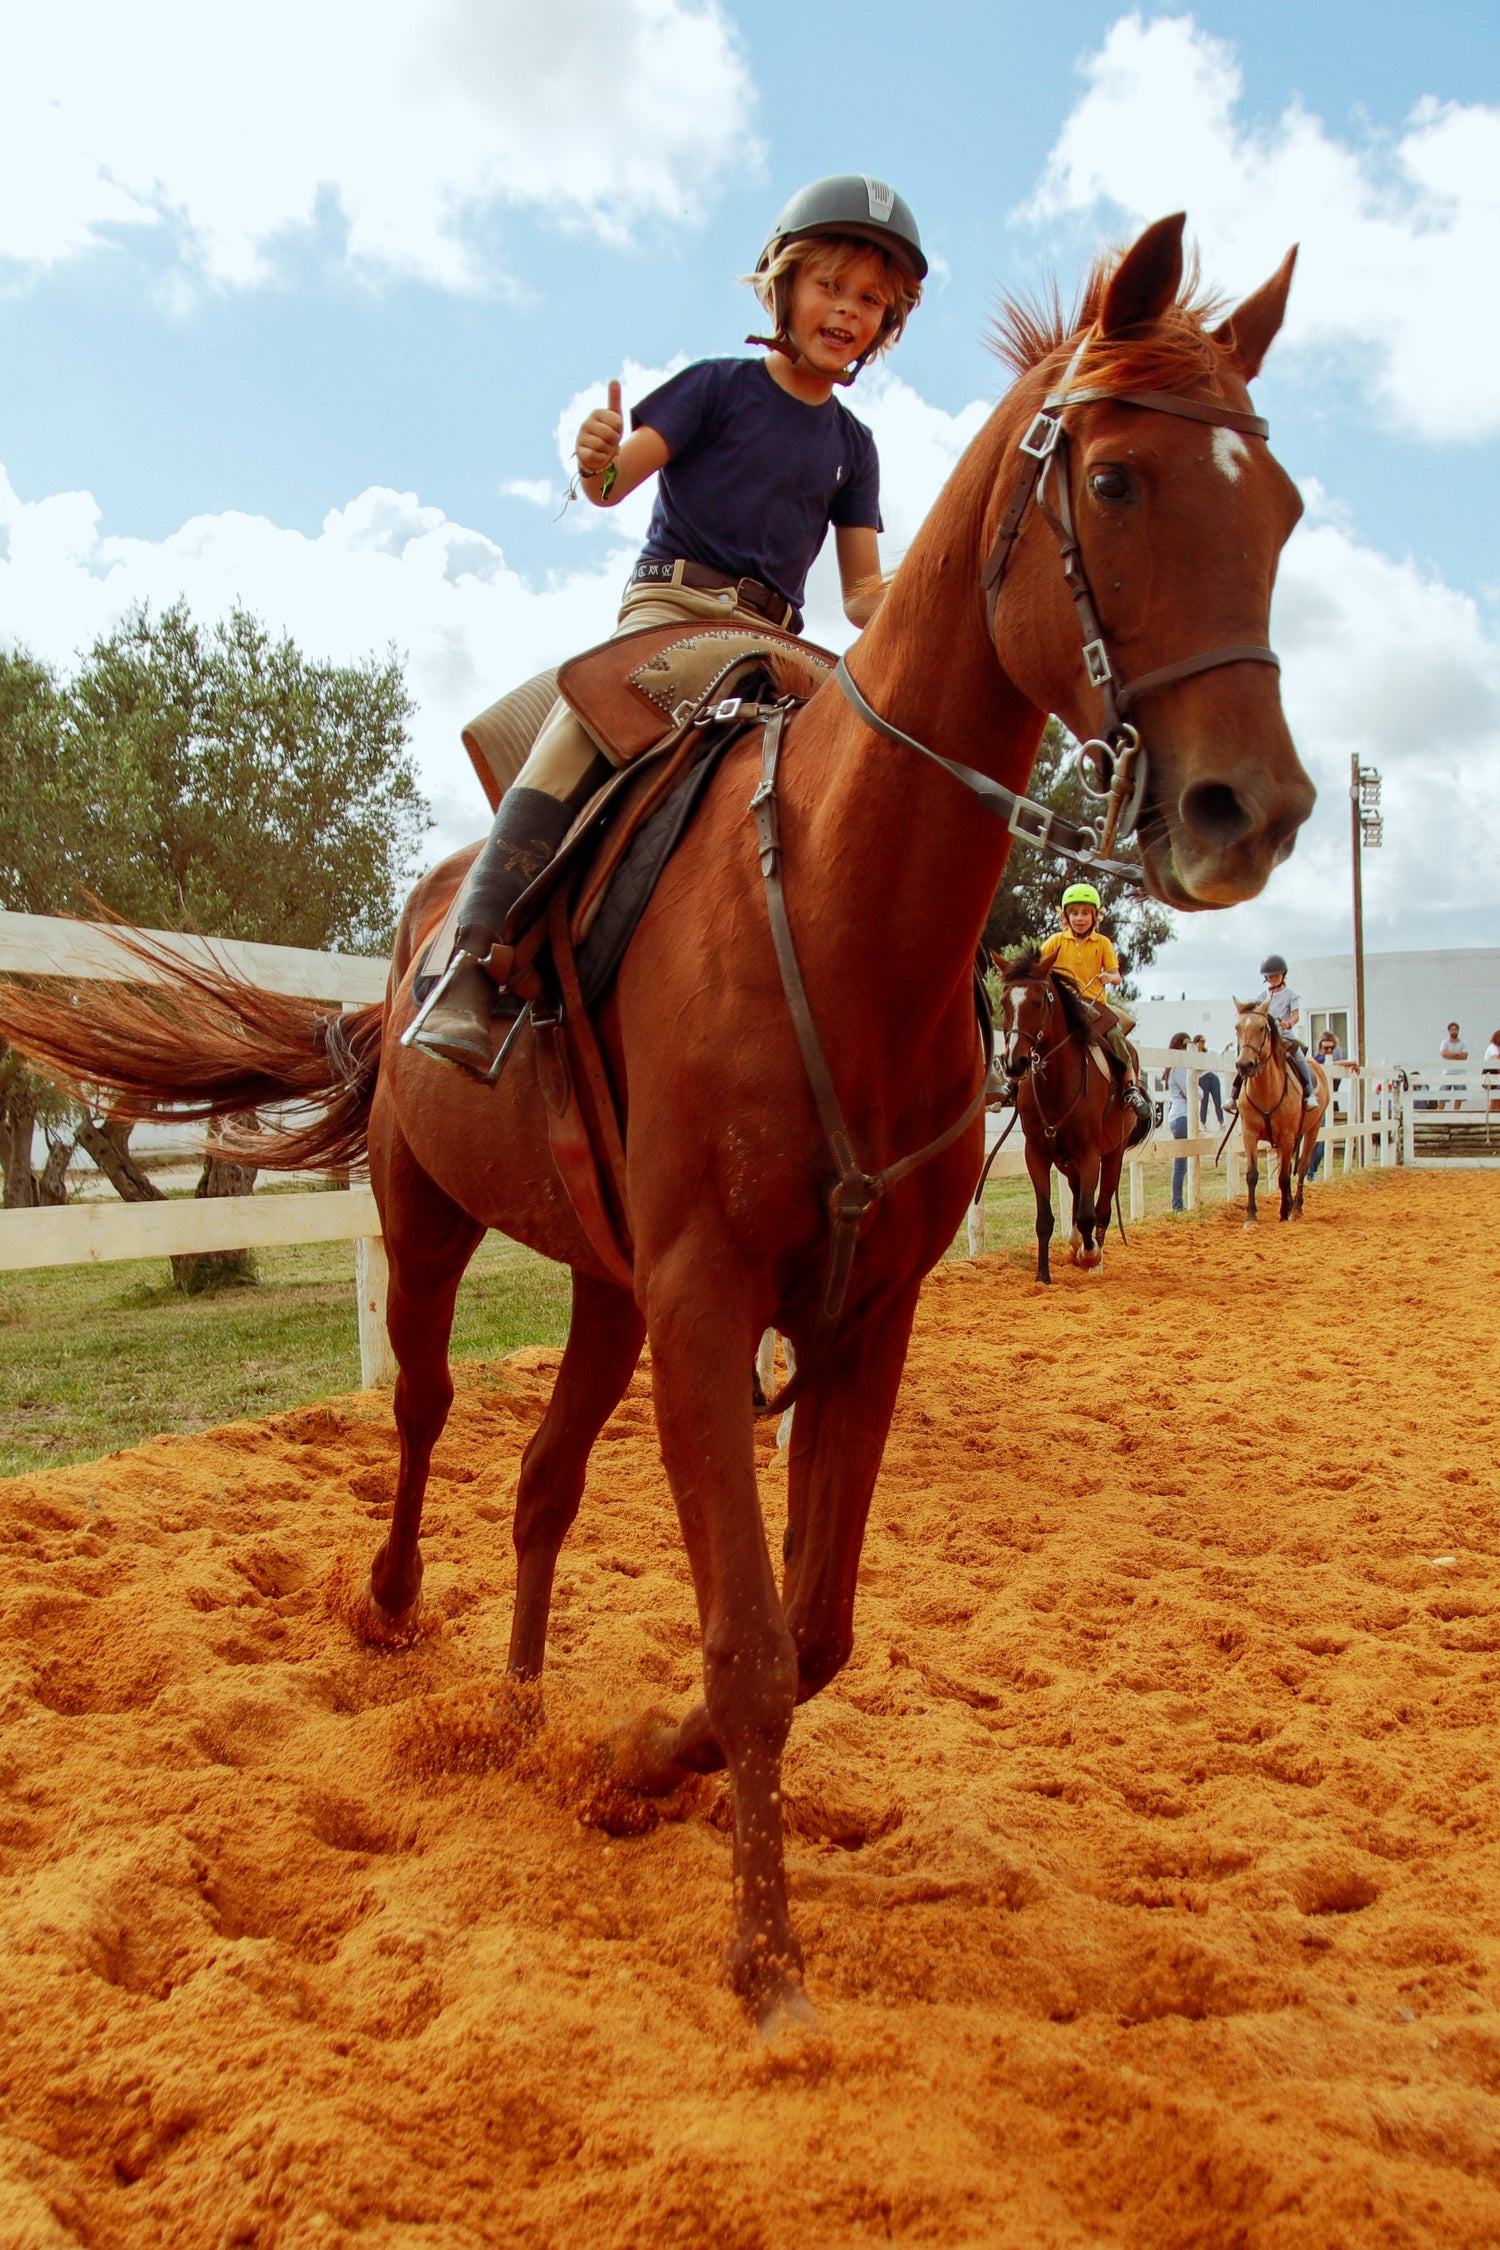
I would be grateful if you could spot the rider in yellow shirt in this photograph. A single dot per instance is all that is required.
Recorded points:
(1082, 951)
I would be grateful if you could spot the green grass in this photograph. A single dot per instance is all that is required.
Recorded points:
(95, 1358)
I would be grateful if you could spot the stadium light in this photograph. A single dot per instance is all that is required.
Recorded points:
(1366, 833)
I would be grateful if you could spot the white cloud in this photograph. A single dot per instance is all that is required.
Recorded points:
(536, 490)
(1381, 660)
(382, 570)
(1398, 234)
(417, 116)
(1388, 664)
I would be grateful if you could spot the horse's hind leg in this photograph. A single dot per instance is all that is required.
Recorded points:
(429, 1242)
(604, 1345)
(1252, 1180)
(1285, 1166)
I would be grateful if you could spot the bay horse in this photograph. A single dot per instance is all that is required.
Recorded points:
(1130, 428)
(1068, 1097)
(1272, 1108)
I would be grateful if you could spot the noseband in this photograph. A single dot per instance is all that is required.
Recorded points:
(1113, 764)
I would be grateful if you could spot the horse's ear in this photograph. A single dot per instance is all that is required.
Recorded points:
(1240, 1005)
(1147, 278)
(1249, 332)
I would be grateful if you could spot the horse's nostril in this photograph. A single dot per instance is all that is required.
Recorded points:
(1215, 813)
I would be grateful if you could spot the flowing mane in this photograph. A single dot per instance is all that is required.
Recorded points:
(1173, 353)
(1020, 961)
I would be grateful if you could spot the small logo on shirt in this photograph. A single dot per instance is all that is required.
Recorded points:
(882, 199)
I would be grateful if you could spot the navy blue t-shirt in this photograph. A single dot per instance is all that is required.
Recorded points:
(756, 476)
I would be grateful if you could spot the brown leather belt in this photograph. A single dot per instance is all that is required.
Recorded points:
(749, 593)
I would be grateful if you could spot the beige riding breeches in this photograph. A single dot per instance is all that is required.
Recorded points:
(552, 752)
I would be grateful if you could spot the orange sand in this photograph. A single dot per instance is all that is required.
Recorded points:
(1144, 1855)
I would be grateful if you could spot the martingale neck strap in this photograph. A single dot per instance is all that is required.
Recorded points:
(1032, 822)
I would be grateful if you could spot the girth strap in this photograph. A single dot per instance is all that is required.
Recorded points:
(855, 1192)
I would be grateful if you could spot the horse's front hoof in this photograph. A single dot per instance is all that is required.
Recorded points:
(640, 1755)
(1249, 1226)
(371, 1620)
(785, 2021)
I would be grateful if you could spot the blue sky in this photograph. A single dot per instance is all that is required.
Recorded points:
(291, 301)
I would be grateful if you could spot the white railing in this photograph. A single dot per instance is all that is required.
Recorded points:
(1451, 1116)
(1369, 1131)
(90, 1233)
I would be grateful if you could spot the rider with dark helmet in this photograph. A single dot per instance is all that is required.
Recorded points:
(1283, 1007)
(1082, 951)
(755, 460)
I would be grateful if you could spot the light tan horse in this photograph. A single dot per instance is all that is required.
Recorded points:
(1272, 1108)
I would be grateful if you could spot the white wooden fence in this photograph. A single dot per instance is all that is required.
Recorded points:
(1372, 1125)
(1364, 1128)
(1451, 1117)
(90, 1233)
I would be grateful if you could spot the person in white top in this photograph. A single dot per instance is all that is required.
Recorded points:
(1492, 1074)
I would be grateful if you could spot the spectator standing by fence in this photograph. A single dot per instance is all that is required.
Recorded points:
(1329, 1051)
(1209, 1089)
(1492, 1075)
(1177, 1115)
(1454, 1049)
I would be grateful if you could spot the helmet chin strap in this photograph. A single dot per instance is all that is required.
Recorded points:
(788, 349)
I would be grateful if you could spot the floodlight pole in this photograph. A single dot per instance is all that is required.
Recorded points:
(1355, 839)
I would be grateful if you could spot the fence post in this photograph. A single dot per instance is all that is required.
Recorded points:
(1137, 1192)
(976, 1229)
(377, 1362)
(1231, 1168)
(1064, 1205)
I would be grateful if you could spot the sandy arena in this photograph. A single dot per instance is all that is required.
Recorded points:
(1144, 1855)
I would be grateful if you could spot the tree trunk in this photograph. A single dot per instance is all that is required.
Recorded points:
(109, 1146)
(201, 1270)
(20, 1124)
(52, 1187)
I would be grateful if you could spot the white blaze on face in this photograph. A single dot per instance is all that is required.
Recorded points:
(1230, 450)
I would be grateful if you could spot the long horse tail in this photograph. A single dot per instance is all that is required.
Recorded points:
(193, 1042)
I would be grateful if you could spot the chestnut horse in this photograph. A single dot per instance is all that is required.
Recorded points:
(1069, 1101)
(1272, 1108)
(1178, 518)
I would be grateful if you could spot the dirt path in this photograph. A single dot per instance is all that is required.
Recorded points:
(1145, 1854)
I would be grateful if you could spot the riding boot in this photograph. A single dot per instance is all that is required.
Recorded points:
(455, 1026)
(1305, 1078)
(1130, 1093)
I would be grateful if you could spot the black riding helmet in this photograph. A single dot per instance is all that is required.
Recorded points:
(846, 204)
(1273, 966)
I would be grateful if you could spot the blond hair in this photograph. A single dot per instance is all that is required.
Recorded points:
(775, 281)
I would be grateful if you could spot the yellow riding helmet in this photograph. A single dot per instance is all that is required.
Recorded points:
(1081, 894)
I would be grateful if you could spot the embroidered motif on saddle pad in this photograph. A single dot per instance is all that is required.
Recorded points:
(633, 691)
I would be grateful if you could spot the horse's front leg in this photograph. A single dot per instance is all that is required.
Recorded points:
(429, 1242)
(838, 1442)
(703, 1338)
(1252, 1178)
(1040, 1168)
(604, 1346)
(1086, 1250)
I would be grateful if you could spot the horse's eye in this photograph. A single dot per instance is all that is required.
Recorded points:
(1109, 484)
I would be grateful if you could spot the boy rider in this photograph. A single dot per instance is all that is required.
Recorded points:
(1083, 951)
(1284, 1009)
(756, 458)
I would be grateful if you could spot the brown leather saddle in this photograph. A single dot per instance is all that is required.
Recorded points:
(647, 699)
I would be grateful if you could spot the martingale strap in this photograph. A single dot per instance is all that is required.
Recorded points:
(1032, 822)
(855, 1192)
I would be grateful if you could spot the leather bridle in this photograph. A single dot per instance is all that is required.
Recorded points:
(1113, 763)
(1038, 1056)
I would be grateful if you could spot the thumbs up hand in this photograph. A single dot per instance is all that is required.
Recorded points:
(600, 435)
